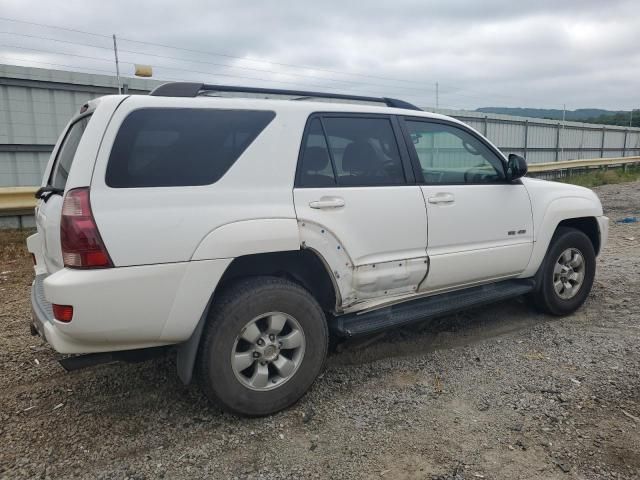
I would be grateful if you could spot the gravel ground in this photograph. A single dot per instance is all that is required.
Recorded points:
(496, 392)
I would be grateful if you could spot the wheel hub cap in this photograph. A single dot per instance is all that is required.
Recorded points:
(268, 351)
(568, 273)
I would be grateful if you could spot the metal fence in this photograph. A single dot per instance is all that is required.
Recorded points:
(540, 140)
(36, 104)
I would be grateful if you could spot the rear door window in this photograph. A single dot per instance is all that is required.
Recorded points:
(66, 153)
(169, 147)
(316, 168)
(350, 151)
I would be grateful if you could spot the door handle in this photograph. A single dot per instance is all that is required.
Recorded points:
(327, 202)
(442, 198)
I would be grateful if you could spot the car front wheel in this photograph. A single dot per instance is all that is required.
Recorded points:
(566, 274)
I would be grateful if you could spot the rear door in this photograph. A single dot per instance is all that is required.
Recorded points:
(357, 203)
(480, 225)
(49, 209)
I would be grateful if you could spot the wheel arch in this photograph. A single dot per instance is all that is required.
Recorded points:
(304, 267)
(588, 226)
(576, 212)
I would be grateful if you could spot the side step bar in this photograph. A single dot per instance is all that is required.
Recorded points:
(354, 324)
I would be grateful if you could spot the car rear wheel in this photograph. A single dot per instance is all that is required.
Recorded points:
(566, 274)
(264, 344)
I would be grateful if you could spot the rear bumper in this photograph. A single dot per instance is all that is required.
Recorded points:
(41, 311)
(124, 308)
(43, 322)
(81, 334)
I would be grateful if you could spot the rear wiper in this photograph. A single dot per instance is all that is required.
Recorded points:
(45, 193)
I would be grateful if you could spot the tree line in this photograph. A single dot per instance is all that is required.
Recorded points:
(619, 118)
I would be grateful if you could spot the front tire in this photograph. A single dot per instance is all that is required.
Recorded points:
(264, 344)
(566, 274)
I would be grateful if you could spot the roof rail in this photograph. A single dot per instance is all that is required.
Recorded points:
(189, 89)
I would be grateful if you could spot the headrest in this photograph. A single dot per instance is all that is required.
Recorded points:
(315, 159)
(359, 156)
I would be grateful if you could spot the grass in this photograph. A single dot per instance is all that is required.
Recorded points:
(603, 177)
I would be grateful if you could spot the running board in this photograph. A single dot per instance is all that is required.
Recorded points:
(354, 324)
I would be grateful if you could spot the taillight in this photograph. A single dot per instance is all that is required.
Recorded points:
(82, 246)
(62, 313)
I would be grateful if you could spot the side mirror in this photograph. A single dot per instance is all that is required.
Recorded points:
(516, 167)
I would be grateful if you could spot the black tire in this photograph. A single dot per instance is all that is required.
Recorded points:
(229, 314)
(545, 297)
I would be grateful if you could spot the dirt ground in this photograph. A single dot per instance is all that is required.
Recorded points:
(500, 392)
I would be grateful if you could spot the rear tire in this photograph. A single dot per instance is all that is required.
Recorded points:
(264, 344)
(566, 275)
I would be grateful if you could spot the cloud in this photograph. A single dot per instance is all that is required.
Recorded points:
(581, 53)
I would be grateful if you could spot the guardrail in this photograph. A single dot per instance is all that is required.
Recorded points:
(18, 201)
(568, 168)
(16, 207)
(583, 164)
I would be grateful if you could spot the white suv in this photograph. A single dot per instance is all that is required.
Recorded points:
(244, 230)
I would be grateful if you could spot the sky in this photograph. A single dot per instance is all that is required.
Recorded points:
(541, 54)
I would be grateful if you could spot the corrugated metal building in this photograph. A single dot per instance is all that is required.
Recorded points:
(36, 104)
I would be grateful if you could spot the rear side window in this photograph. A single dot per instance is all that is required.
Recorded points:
(67, 151)
(316, 165)
(350, 151)
(170, 147)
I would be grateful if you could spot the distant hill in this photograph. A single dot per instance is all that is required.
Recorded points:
(581, 114)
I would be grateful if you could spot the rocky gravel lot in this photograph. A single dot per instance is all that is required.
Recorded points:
(501, 392)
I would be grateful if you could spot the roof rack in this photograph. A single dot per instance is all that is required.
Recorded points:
(189, 89)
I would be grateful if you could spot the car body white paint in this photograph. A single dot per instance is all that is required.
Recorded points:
(171, 245)
(469, 237)
(177, 219)
(262, 235)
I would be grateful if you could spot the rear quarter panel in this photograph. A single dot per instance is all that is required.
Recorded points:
(166, 224)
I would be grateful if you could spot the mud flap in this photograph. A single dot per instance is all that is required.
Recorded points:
(187, 352)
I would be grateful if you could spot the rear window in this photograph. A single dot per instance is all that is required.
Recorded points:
(170, 147)
(67, 151)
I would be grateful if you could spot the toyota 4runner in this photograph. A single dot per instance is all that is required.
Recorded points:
(245, 230)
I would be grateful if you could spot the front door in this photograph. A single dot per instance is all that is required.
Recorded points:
(480, 225)
(358, 206)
